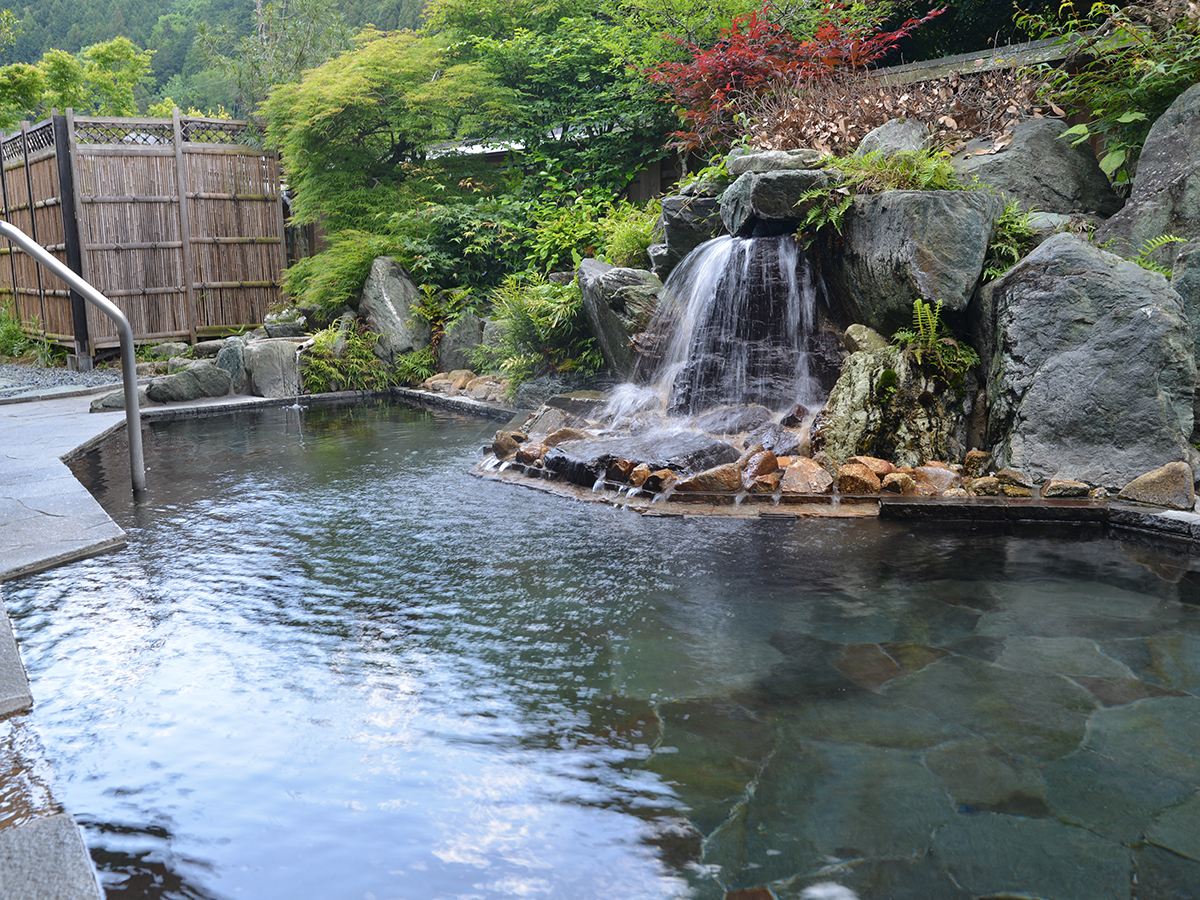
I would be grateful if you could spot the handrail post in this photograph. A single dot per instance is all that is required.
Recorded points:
(133, 418)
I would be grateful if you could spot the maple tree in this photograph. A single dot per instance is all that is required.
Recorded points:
(753, 54)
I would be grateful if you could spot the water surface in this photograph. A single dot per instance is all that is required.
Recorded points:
(332, 665)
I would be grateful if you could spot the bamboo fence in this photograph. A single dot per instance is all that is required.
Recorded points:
(175, 220)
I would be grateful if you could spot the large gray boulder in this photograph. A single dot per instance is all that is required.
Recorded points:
(903, 245)
(387, 298)
(1185, 279)
(740, 162)
(687, 222)
(885, 406)
(459, 341)
(1041, 170)
(273, 368)
(1166, 189)
(1093, 371)
(895, 136)
(231, 357)
(766, 203)
(201, 379)
(618, 304)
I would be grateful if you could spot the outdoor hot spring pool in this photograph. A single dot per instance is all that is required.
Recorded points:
(331, 664)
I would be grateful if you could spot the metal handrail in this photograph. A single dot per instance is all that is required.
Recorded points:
(133, 418)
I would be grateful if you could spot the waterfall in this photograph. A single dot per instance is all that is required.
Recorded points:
(739, 318)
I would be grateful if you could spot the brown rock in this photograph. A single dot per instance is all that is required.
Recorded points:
(880, 467)
(987, 486)
(1170, 485)
(795, 417)
(562, 435)
(941, 479)
(934, 464)
(505, 445)
(762, 463)
(855, 478)
(440, 376)
(956, 493)
(440, 385)
(766, 484)
(723, 479)
(804, 476)
(1015, 478)
(461, 378)
(528, 454)
(660, 480)
(1062, 487)
(925, 489)
(620, 470)
(977, 463)
(1015, 490)
(899, 483)
(748, 454)
(639, 475)
(1098, 494)
(784, 461)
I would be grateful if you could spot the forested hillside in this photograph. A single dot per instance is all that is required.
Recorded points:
(169, 29)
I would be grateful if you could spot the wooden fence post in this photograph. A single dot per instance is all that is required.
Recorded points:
(64, 149)
(185, 226)
(33, 232)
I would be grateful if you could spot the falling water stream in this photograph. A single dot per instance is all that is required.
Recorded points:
(332, 665)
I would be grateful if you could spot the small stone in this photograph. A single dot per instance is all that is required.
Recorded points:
(1170, 485)
(855, 478)
(440, 376)
(880, 467)
(805, 476)
(1099, 493)
(639, 475)
(620, 469)
(719, 479)
(956, 493)
(795, 416)
(987, 486)
(941, 479)
(761, 463)
(1015, 478)
(766, 484)
(504, 445)
(1013, 490)
(1064, 487)
(531, 453)
(461, 378)
(899, 483)
(660, 480)
(860, 337)
(207, 349)
(562, 435)
(168, 349)
(977, 463)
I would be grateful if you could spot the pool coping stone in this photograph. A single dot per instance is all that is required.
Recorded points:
(46, 860)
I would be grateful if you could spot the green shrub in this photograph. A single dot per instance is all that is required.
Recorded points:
(542, 331)
(1013, 240)
(1124, 74)
(627, 233)
(873, 173)
(332, 278)
(415, 367)
(931, 344)
(343, 361)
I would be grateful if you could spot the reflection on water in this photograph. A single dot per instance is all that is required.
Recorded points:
(332, 665)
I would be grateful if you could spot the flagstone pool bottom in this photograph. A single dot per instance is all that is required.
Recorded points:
(332, 664)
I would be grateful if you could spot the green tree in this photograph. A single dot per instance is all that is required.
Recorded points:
(358, 123)
(21, 89)
(289, 37)
(112, 70)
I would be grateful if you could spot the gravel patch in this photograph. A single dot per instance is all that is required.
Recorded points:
(17, 379)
